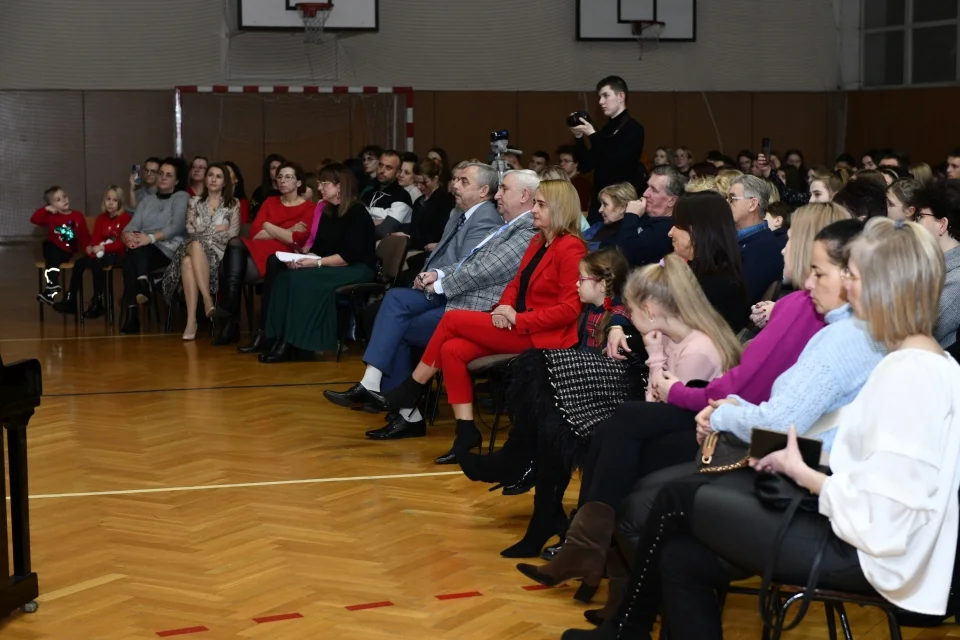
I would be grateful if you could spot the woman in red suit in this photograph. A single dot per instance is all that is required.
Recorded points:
(539, 309)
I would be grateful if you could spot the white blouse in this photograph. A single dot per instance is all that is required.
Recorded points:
(893, 492)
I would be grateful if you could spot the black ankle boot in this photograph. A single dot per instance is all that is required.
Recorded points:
(132, 324)
(229, 334)
(548, 518)
(95, 309)
(143, 291)
(68, 305)
(281, 352)
(505, 466)
(407, 395)
(257, 344)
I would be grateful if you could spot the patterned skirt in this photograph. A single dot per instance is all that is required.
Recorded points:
(171, 277)
(564, 393)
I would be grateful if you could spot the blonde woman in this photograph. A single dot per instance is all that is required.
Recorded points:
(613, 207)
(725, 178)
(538, 309)
(922, 173)
(683, 333)
(886, 519)
(824, 186)
(706, 183)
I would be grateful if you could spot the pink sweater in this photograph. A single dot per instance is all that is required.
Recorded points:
(775, 349)
(693, 358)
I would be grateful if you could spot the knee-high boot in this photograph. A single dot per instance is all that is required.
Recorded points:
(234, 270)
(548, 517)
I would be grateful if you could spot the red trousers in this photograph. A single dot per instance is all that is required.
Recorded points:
(463, 336)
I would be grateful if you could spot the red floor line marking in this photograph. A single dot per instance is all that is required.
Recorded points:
(369, 605)
(181, 632)
(454, 596)
(278, 618)
(541, 587)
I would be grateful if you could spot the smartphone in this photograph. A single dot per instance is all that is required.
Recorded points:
(765, 148)
(765, 441)
(136, 174)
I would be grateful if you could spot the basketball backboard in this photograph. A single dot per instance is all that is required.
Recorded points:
(611, 19)
(281, 15)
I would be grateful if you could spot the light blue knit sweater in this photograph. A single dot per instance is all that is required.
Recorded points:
(828, 375)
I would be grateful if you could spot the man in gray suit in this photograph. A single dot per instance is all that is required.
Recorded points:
(474, 282)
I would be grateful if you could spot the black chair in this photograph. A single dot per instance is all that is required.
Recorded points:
(493, 369)
(391, 253)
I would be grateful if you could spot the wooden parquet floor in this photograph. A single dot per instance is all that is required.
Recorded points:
(182, 488)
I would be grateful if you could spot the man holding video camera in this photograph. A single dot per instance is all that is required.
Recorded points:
(614, 150)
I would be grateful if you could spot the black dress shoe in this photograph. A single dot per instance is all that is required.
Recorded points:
(229, 334)
(352, 397)
(377, 401)
(281, 352)
(143, 291)
(399, 428)
(524, 484)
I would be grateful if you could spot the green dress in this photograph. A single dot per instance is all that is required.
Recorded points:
(303, 306)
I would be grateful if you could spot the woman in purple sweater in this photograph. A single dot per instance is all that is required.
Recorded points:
(643, 437)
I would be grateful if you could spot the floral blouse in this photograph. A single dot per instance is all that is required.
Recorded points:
(202, 223)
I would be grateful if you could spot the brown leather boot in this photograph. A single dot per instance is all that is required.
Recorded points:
(617, 579)
(584, 552)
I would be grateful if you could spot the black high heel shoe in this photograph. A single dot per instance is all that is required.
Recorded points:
(281, 352)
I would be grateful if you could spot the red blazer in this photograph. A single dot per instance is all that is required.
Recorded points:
(553, 303)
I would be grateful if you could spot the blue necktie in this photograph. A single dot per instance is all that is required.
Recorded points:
(474, 250)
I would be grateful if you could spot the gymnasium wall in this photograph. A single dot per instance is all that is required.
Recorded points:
(501, 45)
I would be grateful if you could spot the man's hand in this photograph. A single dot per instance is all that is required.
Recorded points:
(582, 129)
(637, 207)
(616, 342)
(425, 278)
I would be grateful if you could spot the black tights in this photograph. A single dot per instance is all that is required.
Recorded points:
(140, 262)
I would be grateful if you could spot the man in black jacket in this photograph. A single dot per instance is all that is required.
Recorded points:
(388, 203)
(614, 151)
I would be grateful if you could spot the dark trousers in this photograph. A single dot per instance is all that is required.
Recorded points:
(54, 256)
(638, 439)
(731, 532)
(95, 265)
(140, 262)
(406, 319)
(274, 268)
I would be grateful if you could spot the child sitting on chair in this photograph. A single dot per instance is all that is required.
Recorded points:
(66, 234)
(105, 249)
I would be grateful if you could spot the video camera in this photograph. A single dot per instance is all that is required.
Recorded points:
(499, 145)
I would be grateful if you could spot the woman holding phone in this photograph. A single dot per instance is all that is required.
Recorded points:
(888, 512)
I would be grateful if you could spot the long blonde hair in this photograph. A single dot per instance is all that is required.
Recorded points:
(564, 204)
(674, 287)
(805, 223)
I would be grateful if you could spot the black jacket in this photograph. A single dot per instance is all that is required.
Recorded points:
(613, 156)
(644, 240)
(762, 262)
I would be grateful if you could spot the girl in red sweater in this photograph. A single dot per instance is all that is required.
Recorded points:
(105, 249)
(66, 234)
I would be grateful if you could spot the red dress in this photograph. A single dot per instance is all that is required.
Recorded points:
(275, 212)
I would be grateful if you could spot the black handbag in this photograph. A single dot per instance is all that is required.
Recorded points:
(777, 492)
(722, 452)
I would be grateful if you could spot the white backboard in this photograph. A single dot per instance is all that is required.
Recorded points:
(610, 19)
(281, 15)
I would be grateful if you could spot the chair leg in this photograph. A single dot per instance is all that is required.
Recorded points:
(893, 624)
(844, 622)
(436, 399)
(248, 293)
(79, 304)
(108, 298)
(831, 620)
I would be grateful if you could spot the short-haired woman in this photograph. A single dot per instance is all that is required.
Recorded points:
(887, 514)
(302, 316)
(213, 218)
(268, 183)
(152, 237)
(613, 207)
(245, 259)
(198, 174)
(538, 309)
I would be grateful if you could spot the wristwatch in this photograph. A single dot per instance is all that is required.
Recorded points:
(319, 262)
(153, 238)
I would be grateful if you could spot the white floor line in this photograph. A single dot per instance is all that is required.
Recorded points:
(105, 337)
(273, 483)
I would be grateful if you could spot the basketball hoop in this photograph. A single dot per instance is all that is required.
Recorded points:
(647, 33)
(314, 16)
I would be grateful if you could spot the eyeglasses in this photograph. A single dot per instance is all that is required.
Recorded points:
(584, 278)
(918, 217)
(324, 184)
(283, 177)
(151, 172)
(732, 198)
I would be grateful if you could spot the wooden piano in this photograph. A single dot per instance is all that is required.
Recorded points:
(20, 390)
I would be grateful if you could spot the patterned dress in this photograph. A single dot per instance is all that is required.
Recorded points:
(202, 227)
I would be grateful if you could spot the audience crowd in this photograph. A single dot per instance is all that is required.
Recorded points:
(650, 320)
